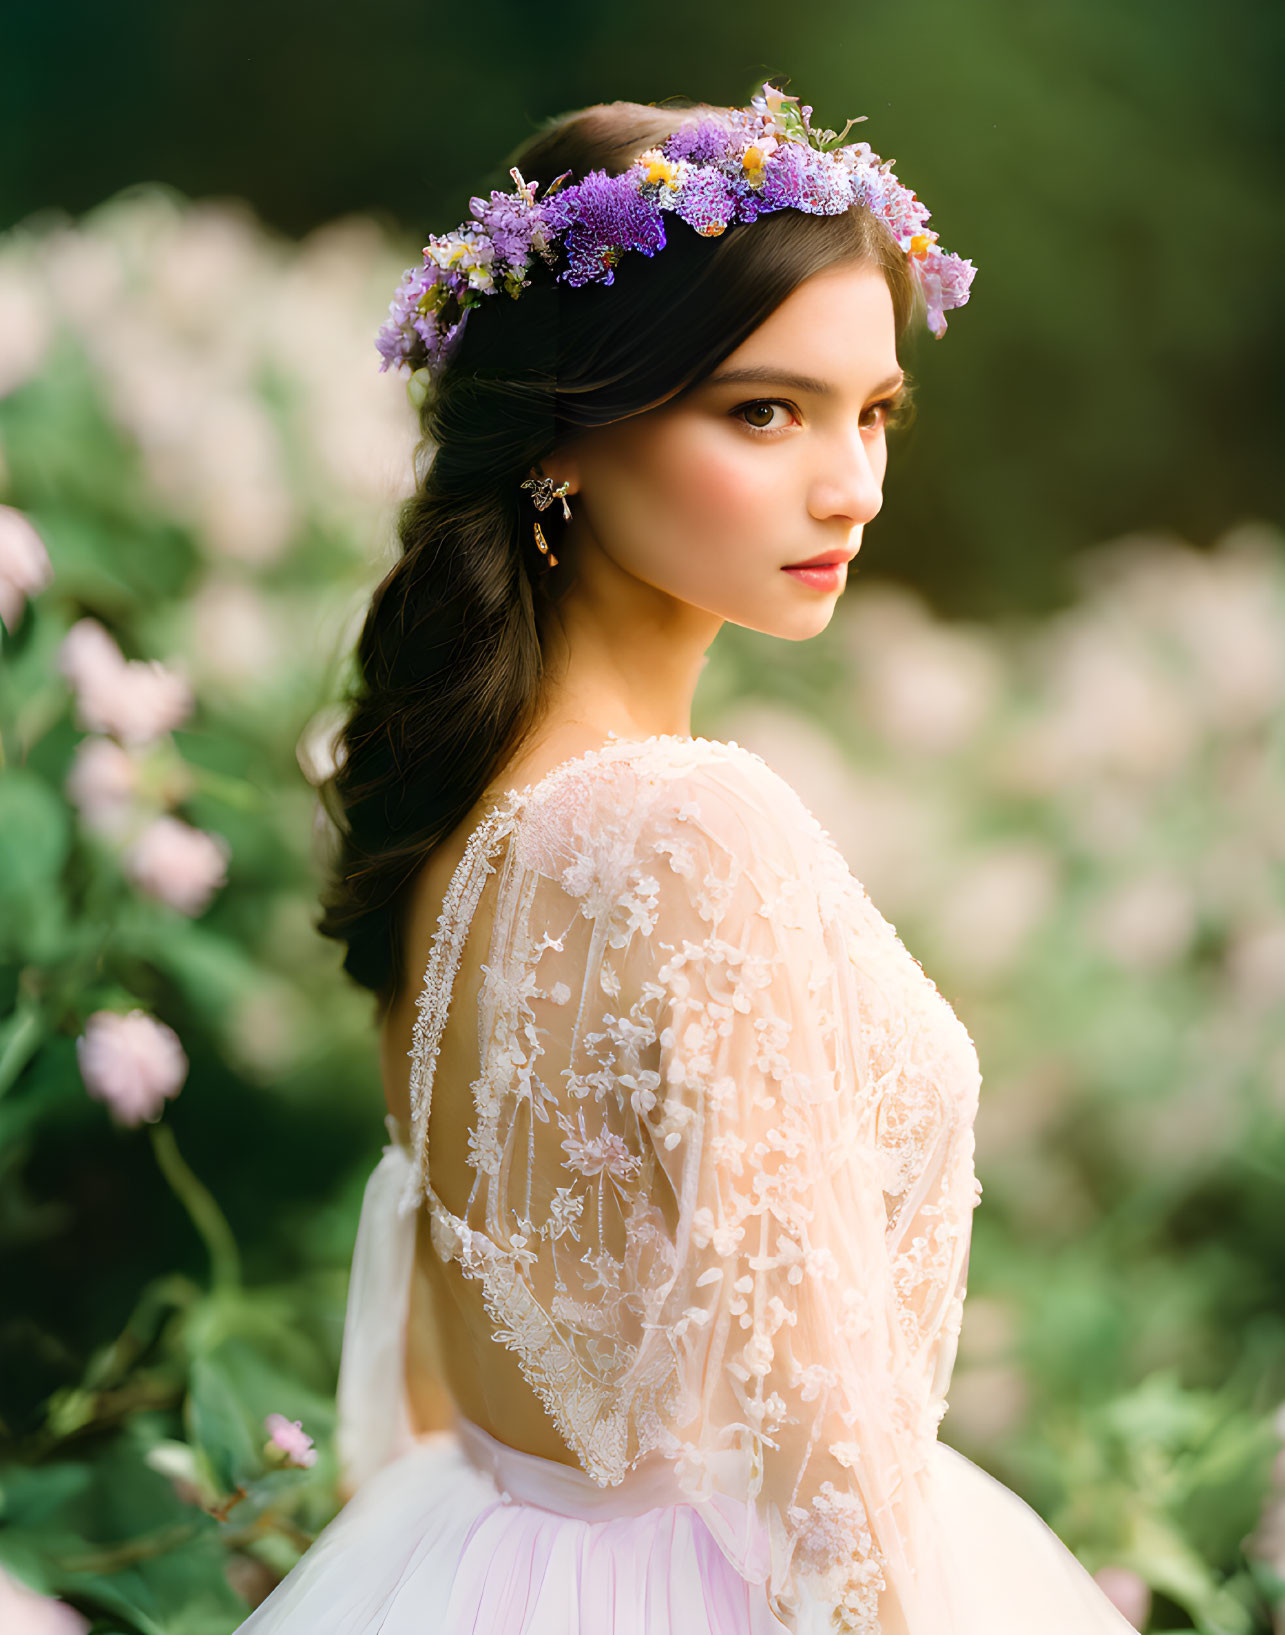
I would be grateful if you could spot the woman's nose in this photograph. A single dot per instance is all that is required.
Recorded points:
(851, 487)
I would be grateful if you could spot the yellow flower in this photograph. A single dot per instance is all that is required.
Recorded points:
(659, 169)
(753, 162)
(919, 245)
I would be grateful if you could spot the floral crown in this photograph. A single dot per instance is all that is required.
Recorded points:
(713, 171)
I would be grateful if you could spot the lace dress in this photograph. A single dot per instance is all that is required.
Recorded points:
(721, 1192)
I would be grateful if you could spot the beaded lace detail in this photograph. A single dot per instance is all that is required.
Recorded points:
(721, 1156)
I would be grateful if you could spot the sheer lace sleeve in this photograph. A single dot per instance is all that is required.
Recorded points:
(724, 1177)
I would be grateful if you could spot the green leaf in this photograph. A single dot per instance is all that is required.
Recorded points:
(217, 1422)
(30, 1496)
(35, 836)
(213, 973)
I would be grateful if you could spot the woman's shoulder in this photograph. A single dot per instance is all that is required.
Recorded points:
(652, 775)
(627, 797)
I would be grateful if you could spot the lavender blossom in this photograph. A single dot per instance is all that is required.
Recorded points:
(707, 202)
(598, 219)
(702, 142)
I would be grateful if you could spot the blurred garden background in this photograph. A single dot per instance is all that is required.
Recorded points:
(1046, 727)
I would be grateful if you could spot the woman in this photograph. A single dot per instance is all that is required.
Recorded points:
(657, 1287)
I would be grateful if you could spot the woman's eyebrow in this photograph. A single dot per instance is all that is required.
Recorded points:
(769, 375)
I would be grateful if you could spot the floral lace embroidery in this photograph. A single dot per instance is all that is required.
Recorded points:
(722, 1151)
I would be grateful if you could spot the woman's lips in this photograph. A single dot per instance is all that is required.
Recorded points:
(826, 578)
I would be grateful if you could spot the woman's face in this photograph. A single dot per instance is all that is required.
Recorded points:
(776, 458)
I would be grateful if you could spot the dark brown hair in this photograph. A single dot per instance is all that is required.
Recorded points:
(448, 667)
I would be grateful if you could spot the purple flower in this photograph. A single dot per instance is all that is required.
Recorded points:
(945, 280)
(898, 206)
(600, 218)
(397, 339)
(707, 202)
(799, 178)
(703, 142)
(508, 221)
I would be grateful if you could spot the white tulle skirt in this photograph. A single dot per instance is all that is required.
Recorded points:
(455, 1533)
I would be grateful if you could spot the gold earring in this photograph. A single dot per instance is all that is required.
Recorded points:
(543, 544)
(543, 494)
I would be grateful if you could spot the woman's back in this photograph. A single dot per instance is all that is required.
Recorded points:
(449, 1338)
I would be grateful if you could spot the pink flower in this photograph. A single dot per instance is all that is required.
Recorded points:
(136, 700)
(25, 568)
(24, 1611)
(132, 1063)
(290, 1438)
(1128, 1593)
(26, 326)
(103, 783)
(178, 864)
(88, 655)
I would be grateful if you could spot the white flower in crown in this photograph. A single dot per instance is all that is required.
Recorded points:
(468, 254)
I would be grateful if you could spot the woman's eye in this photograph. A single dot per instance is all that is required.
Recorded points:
(894, 412)
(889, 412)
(764, 406)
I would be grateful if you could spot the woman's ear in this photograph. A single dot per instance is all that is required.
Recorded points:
(561, 467)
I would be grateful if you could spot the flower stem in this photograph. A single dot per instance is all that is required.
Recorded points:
(207, 1217)
(24, 1033)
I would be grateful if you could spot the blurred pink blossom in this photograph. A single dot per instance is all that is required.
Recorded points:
(25, 568)
(1128, 1592)
(1147, 922)
(24, 1611)
(987, 914)
(178, 864)
(932, 692)
(1256, 964)
(26, 327)
(235, 637)
(291, 1438)
(132, 1063)
(136, 700)
(103, 783)
(1219, 607)
(87, 654)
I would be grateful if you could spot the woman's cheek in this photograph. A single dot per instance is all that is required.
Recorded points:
(717, 488)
